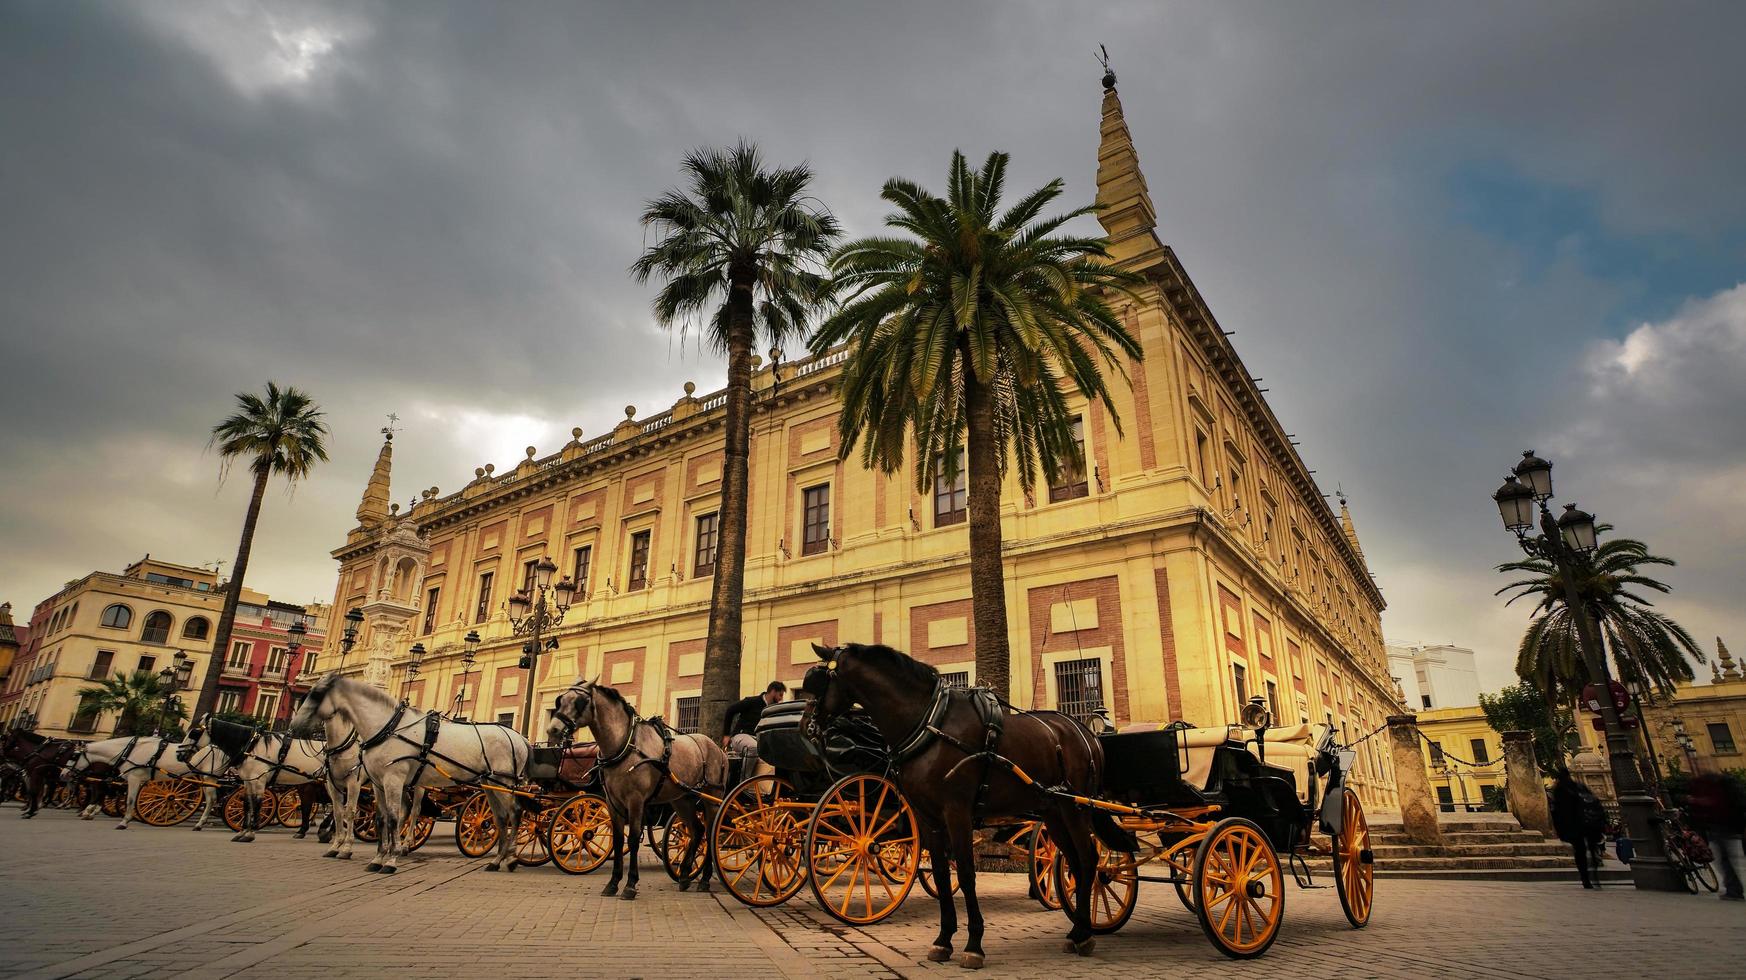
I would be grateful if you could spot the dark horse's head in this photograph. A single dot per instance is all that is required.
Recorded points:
(862, 673)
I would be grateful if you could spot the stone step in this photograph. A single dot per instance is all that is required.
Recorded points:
(1389, 852)
(1467, 839)
(1465, 863)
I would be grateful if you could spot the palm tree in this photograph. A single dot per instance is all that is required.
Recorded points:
(281, 434)
(971, 333)
(1647, 648)
(137, 698)
(742, 252)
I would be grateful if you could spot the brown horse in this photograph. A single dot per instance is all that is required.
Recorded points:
(953, 749)
(39, 760)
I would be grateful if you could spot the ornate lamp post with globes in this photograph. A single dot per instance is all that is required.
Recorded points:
(469, 653)
(174, 678)
(1566, 542)
(532, 612)
(414, 662)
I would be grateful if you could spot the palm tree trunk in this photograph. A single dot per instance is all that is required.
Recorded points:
(221, 643)
(987, 577)
(721, 658)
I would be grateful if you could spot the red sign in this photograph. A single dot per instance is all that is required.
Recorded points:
(1591, 698)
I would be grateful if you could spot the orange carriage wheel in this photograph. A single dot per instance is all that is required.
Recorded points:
(925, 872)
(857, 821)
(167, 802)
(416, 832)
(530, 839)
(113, 801)
(579, 834)
(476, 826)
(233, 808)
(291, 807)
(1042, 870)
(758, 842)
(1114, 892)
(364, 826)
(1181, 862)
(673, 843)
(1239, 888)
(1354, 864)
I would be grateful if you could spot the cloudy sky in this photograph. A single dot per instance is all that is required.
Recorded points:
(1444, 233)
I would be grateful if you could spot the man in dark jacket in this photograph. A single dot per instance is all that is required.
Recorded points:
(1577, 823)
(742, 716)
(1715, 805)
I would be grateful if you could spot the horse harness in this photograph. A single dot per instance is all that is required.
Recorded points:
(663, 764)
(426, 747)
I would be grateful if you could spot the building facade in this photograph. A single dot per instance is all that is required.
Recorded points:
(1434, 675)
(1702, 726)
(1193, 565)
(1464, 759)
(107, 624)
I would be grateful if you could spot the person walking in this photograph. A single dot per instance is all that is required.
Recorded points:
(1715, 805)
(1575, 821)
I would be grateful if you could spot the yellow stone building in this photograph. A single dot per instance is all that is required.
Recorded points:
(1710, 717)
(1196, 563)
(1463, 757)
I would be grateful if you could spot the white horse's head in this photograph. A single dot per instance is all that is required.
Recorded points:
(316, 709)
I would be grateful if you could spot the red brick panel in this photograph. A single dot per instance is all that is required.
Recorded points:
(633, 487)
(680, 649)
(694, 469)
(824, 633)
(472, 679)
(1167, 633)
(1142, 404)
(499, 701)
(921, 616)
(1295, 652)
(498, 534)
(543, 515)
(632, 689)
(1264, 642)
(586, 509)
(1108, 632)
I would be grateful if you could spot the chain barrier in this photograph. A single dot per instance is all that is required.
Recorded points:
(1452, 757)
(1366, 737)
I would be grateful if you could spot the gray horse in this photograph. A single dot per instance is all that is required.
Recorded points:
(638, 766)
(399, 758)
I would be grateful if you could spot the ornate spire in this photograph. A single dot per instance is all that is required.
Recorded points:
(373, 509)
(1346, 525)
(1730, 669)
(8, 635)
(1127, 215)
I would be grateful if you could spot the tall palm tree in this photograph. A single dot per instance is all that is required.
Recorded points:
(742, 250)
(1646, 647)
(971, 333)
(281, 434)
(138, 700)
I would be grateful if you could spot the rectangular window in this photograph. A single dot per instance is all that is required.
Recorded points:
(959, 678)
(148, 664)
(1079, 687)
(276, 657)
(430, 603)
(1425, 698)
(229, 699)
(708, 542)
(483, 611)
(308, 662)
(639, 561)
(1722, 738)
(1437, 754)
(1072, 480)
(579, 570)
(1445, 799)
(267, 706)
(506, 719)
(690, 711)
(816, 520)
(952, 496)
(100, 666)
(1273, 701)
(1241, 677)
(1481, 754)
(240, 653)
(529, 574)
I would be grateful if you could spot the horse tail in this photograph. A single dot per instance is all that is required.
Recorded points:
(1111, 833)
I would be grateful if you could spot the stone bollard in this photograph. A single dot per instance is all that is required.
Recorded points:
(1418, 808)
(1523, 784)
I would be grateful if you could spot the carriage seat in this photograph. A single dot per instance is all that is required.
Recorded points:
(1198, 744)
(1291, 748)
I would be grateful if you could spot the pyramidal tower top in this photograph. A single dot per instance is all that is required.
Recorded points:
(1126, 214)
(373, 509)
(1347, 526)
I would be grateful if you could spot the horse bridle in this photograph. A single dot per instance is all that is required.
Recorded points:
(570, 726)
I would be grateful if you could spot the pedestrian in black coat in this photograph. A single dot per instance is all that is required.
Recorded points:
(1580, 821)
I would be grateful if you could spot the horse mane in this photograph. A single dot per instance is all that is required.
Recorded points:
(898, 662)
(369, 691)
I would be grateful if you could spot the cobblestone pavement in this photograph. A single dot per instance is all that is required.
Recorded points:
(81, 899)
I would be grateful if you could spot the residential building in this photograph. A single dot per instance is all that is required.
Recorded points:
(1464, 759)
(1434, 675)
(105, 624)
(1191, 564)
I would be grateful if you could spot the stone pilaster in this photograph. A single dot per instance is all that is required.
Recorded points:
(1418, 808)
(1523, 785)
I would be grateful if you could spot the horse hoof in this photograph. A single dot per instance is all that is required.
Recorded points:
(685, 886)
(121, 826)
(199, 827)
(237, 839)
(1078, 949)
(511, 867)
(610, 890)
(389, 869)
(939, 954)
(331, 854)
(703, 888)
(972, 961)
(372, 866)
(630, 894)
(345, 857)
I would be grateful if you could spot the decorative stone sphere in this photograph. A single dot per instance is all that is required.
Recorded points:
(490, 468)
(630, 411)
(576, 433)
(690, 389)
(530, 452)
(479, 472)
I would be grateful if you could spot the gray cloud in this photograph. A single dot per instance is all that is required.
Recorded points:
(428, 208)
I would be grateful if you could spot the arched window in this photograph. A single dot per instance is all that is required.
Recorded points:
(118, 617)
(195, 629)
(157, 628)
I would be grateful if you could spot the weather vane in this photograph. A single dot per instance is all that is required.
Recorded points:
(1109, 76)
(389, 429)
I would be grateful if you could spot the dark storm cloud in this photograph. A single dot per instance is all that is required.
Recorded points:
(428, 208)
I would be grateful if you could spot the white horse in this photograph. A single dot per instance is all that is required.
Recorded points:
(139, 759)
(641, 764)
(405, 750)
(262, 760)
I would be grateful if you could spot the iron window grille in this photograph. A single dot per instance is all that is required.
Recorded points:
(689, 714)
(1079, 687)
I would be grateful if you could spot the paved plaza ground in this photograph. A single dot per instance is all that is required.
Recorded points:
(81, 899)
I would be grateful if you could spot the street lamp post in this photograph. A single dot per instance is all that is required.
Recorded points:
(354, 618)
(1565, 542)
(469, 653)
(174, 678)
(297, 631)
(531, 615)
(414, 661)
